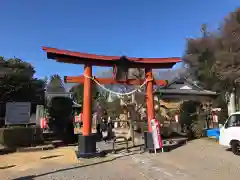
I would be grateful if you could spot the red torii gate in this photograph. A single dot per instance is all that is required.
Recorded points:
(87, 140)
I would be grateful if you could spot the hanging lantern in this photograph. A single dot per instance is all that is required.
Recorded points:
(77, 119)
(43, 123)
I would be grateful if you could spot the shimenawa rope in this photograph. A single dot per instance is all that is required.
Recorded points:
(117, 93)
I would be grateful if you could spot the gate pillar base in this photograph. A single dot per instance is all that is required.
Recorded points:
(87, 146)
(148, 142)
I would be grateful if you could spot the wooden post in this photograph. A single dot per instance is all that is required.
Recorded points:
(87, 102)
(149, 98)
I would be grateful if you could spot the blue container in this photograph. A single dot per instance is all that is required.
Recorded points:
(213, 133)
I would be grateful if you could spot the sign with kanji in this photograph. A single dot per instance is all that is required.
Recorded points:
(17, 113)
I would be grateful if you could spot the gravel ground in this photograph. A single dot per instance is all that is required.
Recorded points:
(127, 168)
(204, 159)
(198, 160)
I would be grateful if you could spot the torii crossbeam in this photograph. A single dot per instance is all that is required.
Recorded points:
(87, 140)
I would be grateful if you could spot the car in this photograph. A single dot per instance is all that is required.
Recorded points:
(230, 133)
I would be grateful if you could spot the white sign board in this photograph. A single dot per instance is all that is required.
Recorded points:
(17, 113)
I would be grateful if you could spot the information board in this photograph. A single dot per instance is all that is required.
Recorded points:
(17, 113)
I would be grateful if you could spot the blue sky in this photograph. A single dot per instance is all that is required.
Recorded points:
(139, 28)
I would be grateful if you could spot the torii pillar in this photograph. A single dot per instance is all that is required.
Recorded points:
(87, 141)
(150, 109)
(87, 102)
(149, 98)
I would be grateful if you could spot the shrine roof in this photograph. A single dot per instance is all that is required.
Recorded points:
(81, 58)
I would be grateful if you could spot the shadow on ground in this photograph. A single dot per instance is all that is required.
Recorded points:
(31, 177)
(4, 151)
